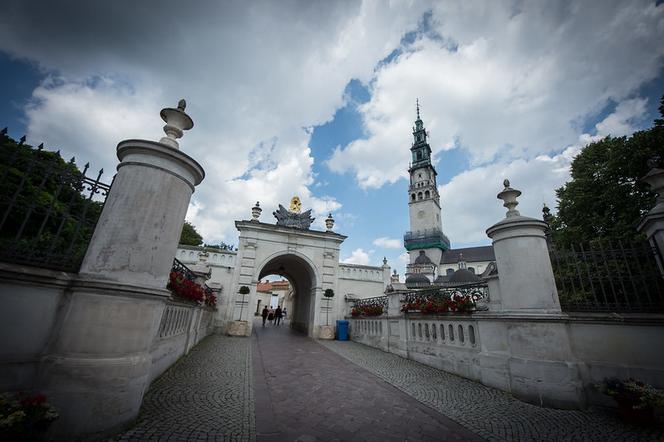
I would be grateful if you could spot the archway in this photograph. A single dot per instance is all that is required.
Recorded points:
(302, 277)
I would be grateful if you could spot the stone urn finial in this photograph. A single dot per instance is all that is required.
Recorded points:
(655, 179)
(177, 121)
(256, 212)
(329, 222)
(509, 196)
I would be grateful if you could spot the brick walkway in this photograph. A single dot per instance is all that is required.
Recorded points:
(490, 413)
(305, 392)
(207, 395)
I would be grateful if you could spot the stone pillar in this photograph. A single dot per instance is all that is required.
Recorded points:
(525, 275)
(527, 348)
(652, 225)
(98, 364)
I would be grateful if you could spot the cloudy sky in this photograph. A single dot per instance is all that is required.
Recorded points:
(317, 99)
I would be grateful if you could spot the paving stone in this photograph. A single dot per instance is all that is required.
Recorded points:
(207, 395)
(317, 395)
(490, 413)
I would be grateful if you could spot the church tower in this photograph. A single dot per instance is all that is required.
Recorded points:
(425, 242)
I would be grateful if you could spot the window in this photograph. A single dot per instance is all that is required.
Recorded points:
(461, 334)
(427, 194)
(419, 155)
(419, 195)
(449, 271)
(471, 269)
(413, 197)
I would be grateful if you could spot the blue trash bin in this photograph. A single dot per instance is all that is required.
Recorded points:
(342, 330)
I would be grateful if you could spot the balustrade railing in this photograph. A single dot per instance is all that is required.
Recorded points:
(48, 207)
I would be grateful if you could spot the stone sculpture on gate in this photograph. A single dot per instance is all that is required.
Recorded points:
(292, 218)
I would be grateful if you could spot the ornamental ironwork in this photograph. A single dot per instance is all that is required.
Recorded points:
(179, 267)
(371, 302)
(477, 292)
(48, 207)
(608, 276)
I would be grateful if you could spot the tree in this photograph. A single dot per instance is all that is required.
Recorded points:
(48, 211)
(189, 235)
(605, 197)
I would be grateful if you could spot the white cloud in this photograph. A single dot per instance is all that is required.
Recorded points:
(358, 256)
(388, 243)
(507, 82)
(257, 76)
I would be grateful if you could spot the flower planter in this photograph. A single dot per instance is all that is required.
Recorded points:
(326, 332)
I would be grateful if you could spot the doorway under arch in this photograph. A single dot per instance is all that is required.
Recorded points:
(302, 277)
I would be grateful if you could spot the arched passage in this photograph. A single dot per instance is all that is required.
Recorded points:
(302, 278)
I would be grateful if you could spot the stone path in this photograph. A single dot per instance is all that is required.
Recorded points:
(305, 392)
(282, 386)
(490, 413)
(207, 395)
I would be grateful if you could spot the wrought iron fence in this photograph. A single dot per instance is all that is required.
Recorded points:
(609, 276)
(179, 267)
(375, 306)
(477, 292)
(48, 207)
(371, 302)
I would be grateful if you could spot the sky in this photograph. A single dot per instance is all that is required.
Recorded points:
(317, 99)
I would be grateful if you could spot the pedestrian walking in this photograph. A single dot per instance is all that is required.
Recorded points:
(264, 314)
(278, 315)
(284, 313)
(270, 315)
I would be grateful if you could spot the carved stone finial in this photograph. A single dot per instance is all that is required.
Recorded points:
(509, 196)
(653, 162)
(177, 121)
(329, 222)
(384, 260)
(256, 212)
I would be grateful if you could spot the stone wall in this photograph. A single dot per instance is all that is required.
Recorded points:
(35, 304)
(551, 361)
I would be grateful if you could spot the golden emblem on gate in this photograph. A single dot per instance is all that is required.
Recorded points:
(295, 204)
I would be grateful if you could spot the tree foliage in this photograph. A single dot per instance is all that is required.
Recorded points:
(189, 235)
(50, 216)
(605, 197)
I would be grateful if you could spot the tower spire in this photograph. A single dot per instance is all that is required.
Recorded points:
(417, 104)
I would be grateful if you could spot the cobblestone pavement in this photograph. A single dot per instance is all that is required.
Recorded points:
(490, 413)
(207, 395)
(305, 392)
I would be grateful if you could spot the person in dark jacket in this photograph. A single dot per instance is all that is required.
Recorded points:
(278, 314)
(264, 314)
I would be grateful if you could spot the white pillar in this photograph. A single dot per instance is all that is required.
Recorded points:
(98, 365)
(526, 278)
(652, 225)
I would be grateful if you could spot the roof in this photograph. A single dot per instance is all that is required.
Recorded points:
(464, 275)
(268, 286)
(470, 254)
(417, 279)
(422, 258)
